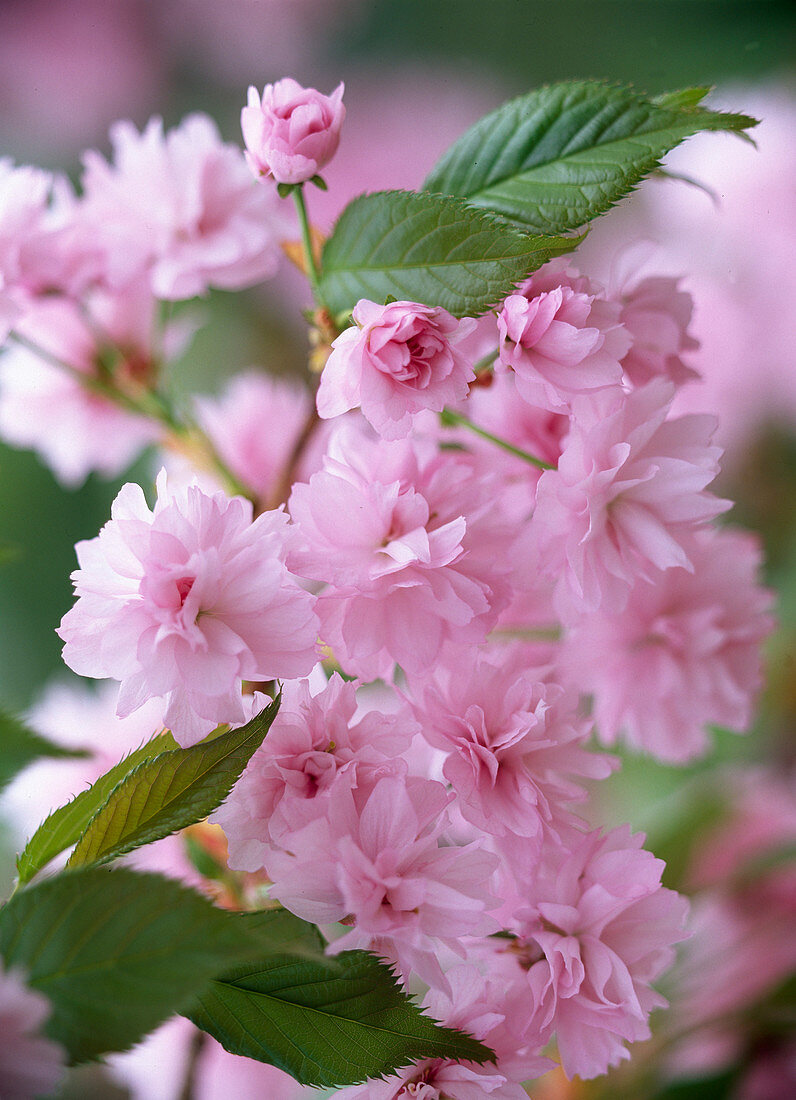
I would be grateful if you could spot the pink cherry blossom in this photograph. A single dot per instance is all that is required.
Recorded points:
(23, 200)
(743, 947)
(438, 1079)
(291, 132)
(690, 641)
(312, 740)
(741, 950)
(181, 208)
(185, 602)
(30, 1065)
(512, 742)
(255, 424)
(404, 893)
(24, 197)
(561, 343)
(657, 315)
(599, 930)
(624, 500)
(759, 818)
(43, 245)
(396, 360)
(45, 407)
(498, 408)
(411, 546)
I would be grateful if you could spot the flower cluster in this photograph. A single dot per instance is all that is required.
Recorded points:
(503, 542)
(172, 214)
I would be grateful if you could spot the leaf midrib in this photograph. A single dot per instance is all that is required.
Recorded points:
(325, 1015)
(672, 128)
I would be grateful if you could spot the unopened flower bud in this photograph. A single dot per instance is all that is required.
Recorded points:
(291, 132)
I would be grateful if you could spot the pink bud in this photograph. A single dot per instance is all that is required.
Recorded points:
(292, 132)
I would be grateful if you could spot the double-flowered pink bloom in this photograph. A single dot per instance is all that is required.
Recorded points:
(657, 314)
(44, 246)
(291, 132)
(562, 342)
(24, 194)
(289, 780)
(690, 642)
(511, 742)
(376, 861)
(599, 931)
(395, 361)
(625, 499)
(412, 550)
(185, 602)
(180, 208)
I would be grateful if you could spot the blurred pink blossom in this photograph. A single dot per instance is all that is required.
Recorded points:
(255, 424)
(690, 641)
(182, 208)
(45, 407)
(30, 1065)
(657, 314)
(156, 1069)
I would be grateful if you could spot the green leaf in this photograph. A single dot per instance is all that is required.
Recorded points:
(20, 746)
(116, 952)
(431, 249)
(278, 931)
(683, 97)
(64, 826)
(326, 1021)
(556, 158)
(169, 792)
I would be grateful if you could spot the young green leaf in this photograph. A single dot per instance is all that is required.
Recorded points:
(169, 792)
(431, 249)
(326, 1021)
(683, 97)
(116, 952)
(20, 746)
(64, 826)
(556, 158)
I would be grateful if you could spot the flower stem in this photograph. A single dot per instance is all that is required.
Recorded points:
(313, 274)
(149, 403)
(486, 361)
(284, 484)
(450, 419)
